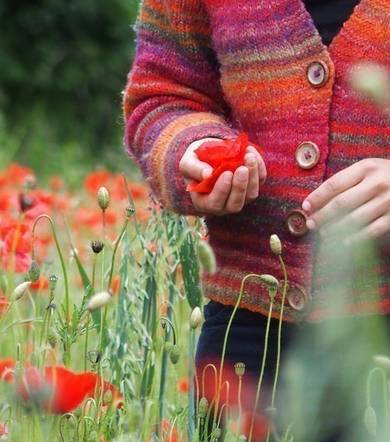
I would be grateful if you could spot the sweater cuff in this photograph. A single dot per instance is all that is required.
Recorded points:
(168, 149)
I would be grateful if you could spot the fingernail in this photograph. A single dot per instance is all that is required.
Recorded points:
(250, 160)
(227, 179)
(310, 224)
(306, 206)
(241, 175)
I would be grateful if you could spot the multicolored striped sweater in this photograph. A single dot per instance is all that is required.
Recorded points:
(213, 68)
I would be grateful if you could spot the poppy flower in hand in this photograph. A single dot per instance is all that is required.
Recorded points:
(222, 156)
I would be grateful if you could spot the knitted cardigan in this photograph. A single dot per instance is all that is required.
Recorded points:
(212, 68)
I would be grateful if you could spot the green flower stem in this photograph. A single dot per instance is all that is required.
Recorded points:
(104, 242)
(239, 407)
(279, 338)
(86, 343)
(250, 275)
(385, 395)
(116, 245)
(65, 274)
(262, 370)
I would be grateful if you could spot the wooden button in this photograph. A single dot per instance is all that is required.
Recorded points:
(296, 222)
(296, 298)
(307, 155)
(317, 73)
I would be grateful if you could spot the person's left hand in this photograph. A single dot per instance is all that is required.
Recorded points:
(358, 195)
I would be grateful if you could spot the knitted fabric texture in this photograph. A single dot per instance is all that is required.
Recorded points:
(213, 68)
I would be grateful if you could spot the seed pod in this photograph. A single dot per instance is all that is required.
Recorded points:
(174, 354)
(34, 271)
(98, 301)
(370, 420)
(94, 356)
(239, 368)
(168, 346)
(97, 246)
(203, 407)
(20, 290)
(52, 282)
(25, 202)
(276, 245)
(206, 257)
(103, 197)
(129, 212)
(196, 318)
(216, 434)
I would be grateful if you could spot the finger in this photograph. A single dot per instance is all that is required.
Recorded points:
(341, 204)
(261, 164)
(253, 180)
(338, 183)
(236, 200)
(190, 167)
(375, 230)
(215, 201)
(360, 217)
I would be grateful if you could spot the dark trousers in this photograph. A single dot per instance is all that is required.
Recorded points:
(324, 368)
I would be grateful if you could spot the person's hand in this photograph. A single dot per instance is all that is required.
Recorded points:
(231, 191)
(356, 196)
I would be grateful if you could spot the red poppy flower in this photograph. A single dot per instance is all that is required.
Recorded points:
(169, 433)
(15, 246)
(17, 174)
(95, 180)
(260, 427)
(42, 283)
(3, 303)
(3, 430)
(183, 385)
(58, 390)
(222, 156)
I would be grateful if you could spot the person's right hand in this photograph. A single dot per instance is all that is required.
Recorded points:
(231, 191)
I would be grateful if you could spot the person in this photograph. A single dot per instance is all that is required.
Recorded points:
(278, 71)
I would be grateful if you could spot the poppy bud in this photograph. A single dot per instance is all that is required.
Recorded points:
(103, 197)
(52, 282)
(20, 290)
(203, 407)
(216, 433)
(276, 245)
(52, 339)
(34, 271)
(196, 318)
(269, 281)
(97, 246)
(239, 368)
(206, 257)
(168, 346)
(94, 356)
(25, 202)
(98, 301)
(174, 354)
(382, 362)
(370, 420)
(372, 81)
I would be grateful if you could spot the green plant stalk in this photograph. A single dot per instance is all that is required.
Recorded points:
(250, 275)
(117, 242)
(66, 356)
(385, 396)
(279, 345)
(265, 352)
(104, 242)
(239, 407)
(191, 393)
(164, 357)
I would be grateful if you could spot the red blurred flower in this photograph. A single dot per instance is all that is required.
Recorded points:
(183, 385)
(15, 246)
(3, 430)
(260, 427)
(95, 180)
(17, 174)
(41, 284)
(58, 390)
(6, 369)
(3, 303)
(169, 433)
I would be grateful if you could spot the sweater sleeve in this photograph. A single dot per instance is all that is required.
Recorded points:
(173, 95)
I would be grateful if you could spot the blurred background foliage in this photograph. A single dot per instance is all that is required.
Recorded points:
(63, 68)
